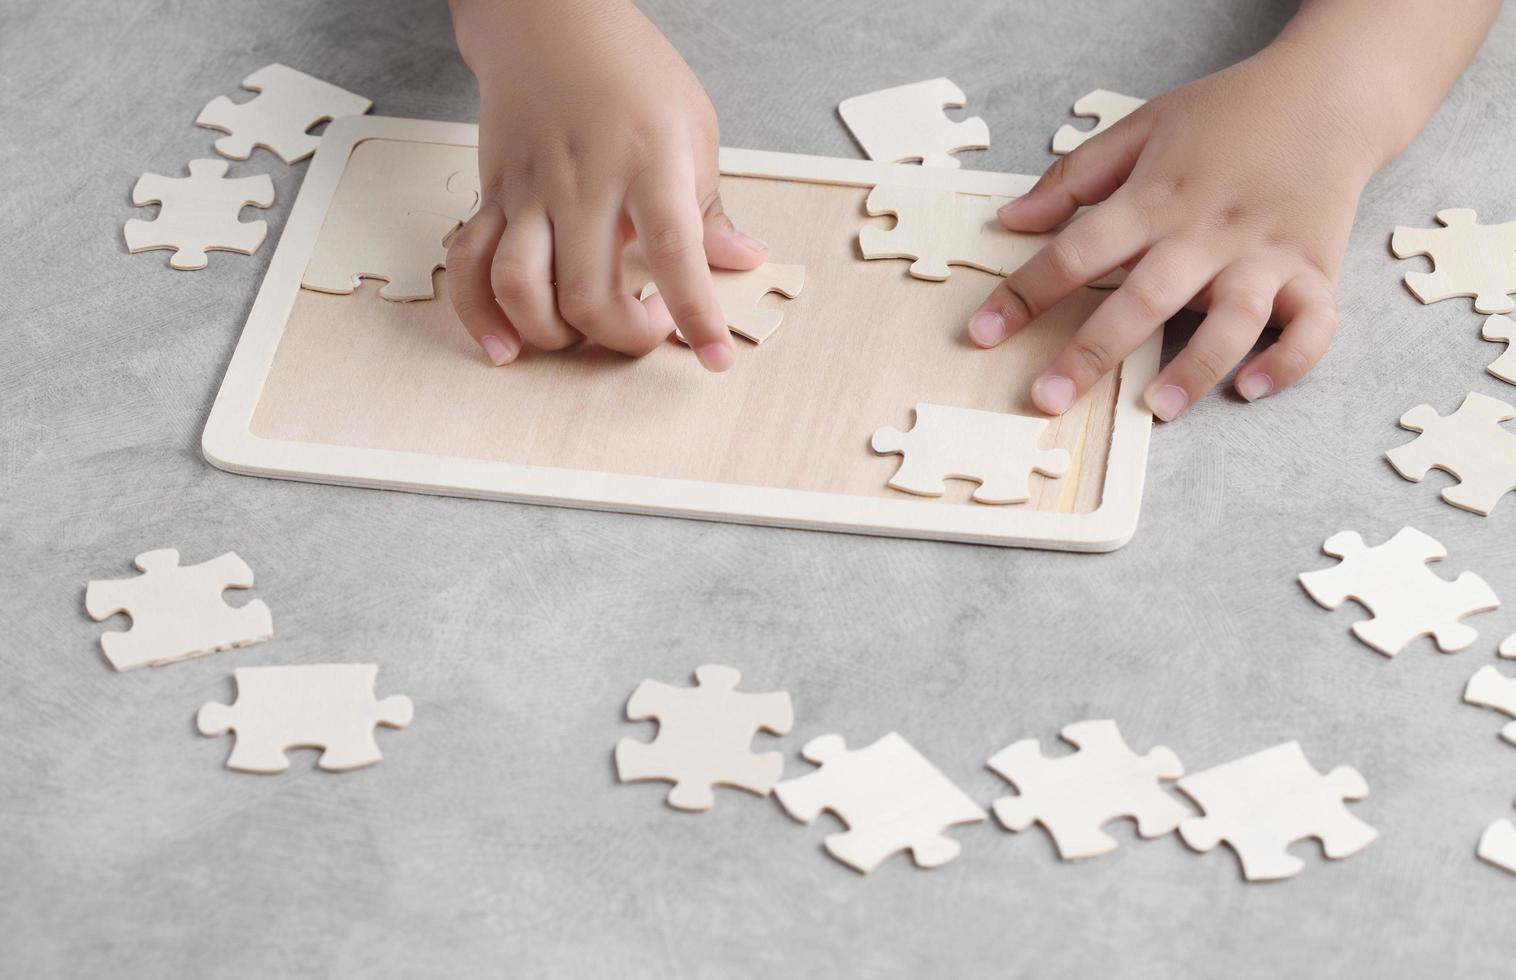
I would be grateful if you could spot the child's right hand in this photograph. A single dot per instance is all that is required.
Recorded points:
(592, 132)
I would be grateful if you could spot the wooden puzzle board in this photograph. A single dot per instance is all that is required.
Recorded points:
(360, 391)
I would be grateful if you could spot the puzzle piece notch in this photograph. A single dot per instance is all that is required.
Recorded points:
(907, 122)
(998, 450)
(1074, 796)
(1471, 444)
(1106, 108)
(1497, 845)
(738, 293)
(1502, 328)
(1261, 804)
(1508, 647)
(937, 228)
(322, 706)
(176, 610)
(1468, 259)
(891, 798)
(199, 213)
(704, 737)
(1489, 688)
(289, 104)
(1407, 599)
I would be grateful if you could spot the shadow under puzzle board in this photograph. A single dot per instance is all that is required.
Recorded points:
(357, 390)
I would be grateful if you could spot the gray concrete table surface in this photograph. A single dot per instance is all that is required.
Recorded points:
(494, 838)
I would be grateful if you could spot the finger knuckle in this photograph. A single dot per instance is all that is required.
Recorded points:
(1253, 302)
(1016, 304)
(1093, 355)
(1147, 299)
(511, 281)
(672, 242)
(1293, 361)
(1207, 364)
(579, 304)
(1066, 259)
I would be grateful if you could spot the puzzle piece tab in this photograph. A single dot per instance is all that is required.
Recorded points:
(176, 610)
(1073, 796)
(703, 737)
(1468, 259)
(278, 119)
(1106, 108)
(998, 450)
(1471, 444)
(738, 293)
(1261, 804)
(1489, 688)
(891, 798)
(1407, 598)
(1497, 845)
(905, 123)
(939, 228)
(1502, 329)
(322, 706)
(199, 213)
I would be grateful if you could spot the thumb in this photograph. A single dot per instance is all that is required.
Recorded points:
(726, 246)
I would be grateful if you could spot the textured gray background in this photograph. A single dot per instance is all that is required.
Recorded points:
(493, 839)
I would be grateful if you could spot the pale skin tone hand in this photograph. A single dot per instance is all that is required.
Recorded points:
(592, 133)
(1234, 194)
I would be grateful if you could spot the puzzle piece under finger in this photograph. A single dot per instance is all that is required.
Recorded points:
(998, 450)
(738, 293)
(938, 228)
(289, 104)
(1468, 259)
(199, 213)
(1107, 108)
(906, 123)
(1471, 444)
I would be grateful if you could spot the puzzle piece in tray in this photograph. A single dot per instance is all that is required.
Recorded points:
(1106, 108)
(1073, 796)
(395, 207)
(290, 103)
(1261, 804)
(905, 123)
(938, 228)
(176, 610)
(1468, 259)
(321, 706)
(1407, 598)
(199, 213)
(1489, 688)
(1497, 845)
(703, 740)
(738, 293)
(998, 450)
(1471, 444)
(1502, 328)
(891, 798)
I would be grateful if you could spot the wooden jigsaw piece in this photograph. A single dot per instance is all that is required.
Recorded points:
(1107, 109)
(1074, 796)
(290, 103)
(938, 228)
(1261, 804)
(1468, 259)
(998, 450)
(323, 706)
(738, 293)
(1489, 688)
(1470, 444)
(199, 213)
(1502, 328)
(1407, 599)
(906, 123)
(1497, 845)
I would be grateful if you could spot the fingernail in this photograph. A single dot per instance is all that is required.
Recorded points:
(498, 350)
(715, 357)
(1053, 393)
(1255, 386)
(987, 328)
(748, 241)
(1168, 402)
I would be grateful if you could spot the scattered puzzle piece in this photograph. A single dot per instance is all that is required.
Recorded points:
(396, 205)
(1502, 328)
(1497, 845)
(703, 737)
(1073, 796)
(1471, 444)
(176, 610)
(1107, 108)
(906, 123)
(278, 119)
(999, 451)
(199, 213)
(1489, 688)
(1407, 599)
(939, 228)
(1261, 804)
(738, 293)
(1468, 259)
(322, 706)
(1508, 647)
(891, 798)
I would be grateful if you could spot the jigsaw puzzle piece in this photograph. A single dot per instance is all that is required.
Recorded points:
(906, 123)
(1468, 259)
(998, 450)
(1489, 688)
(279, 118)
(1106, 108)
(1497, 845)
(938, 228)
(1502, 329)
(738, 293)
(199, 213)
(1471, 444)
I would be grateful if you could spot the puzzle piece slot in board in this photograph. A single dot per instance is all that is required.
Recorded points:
(355, 390)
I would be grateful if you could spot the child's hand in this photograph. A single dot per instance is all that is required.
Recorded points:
(592, 132)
